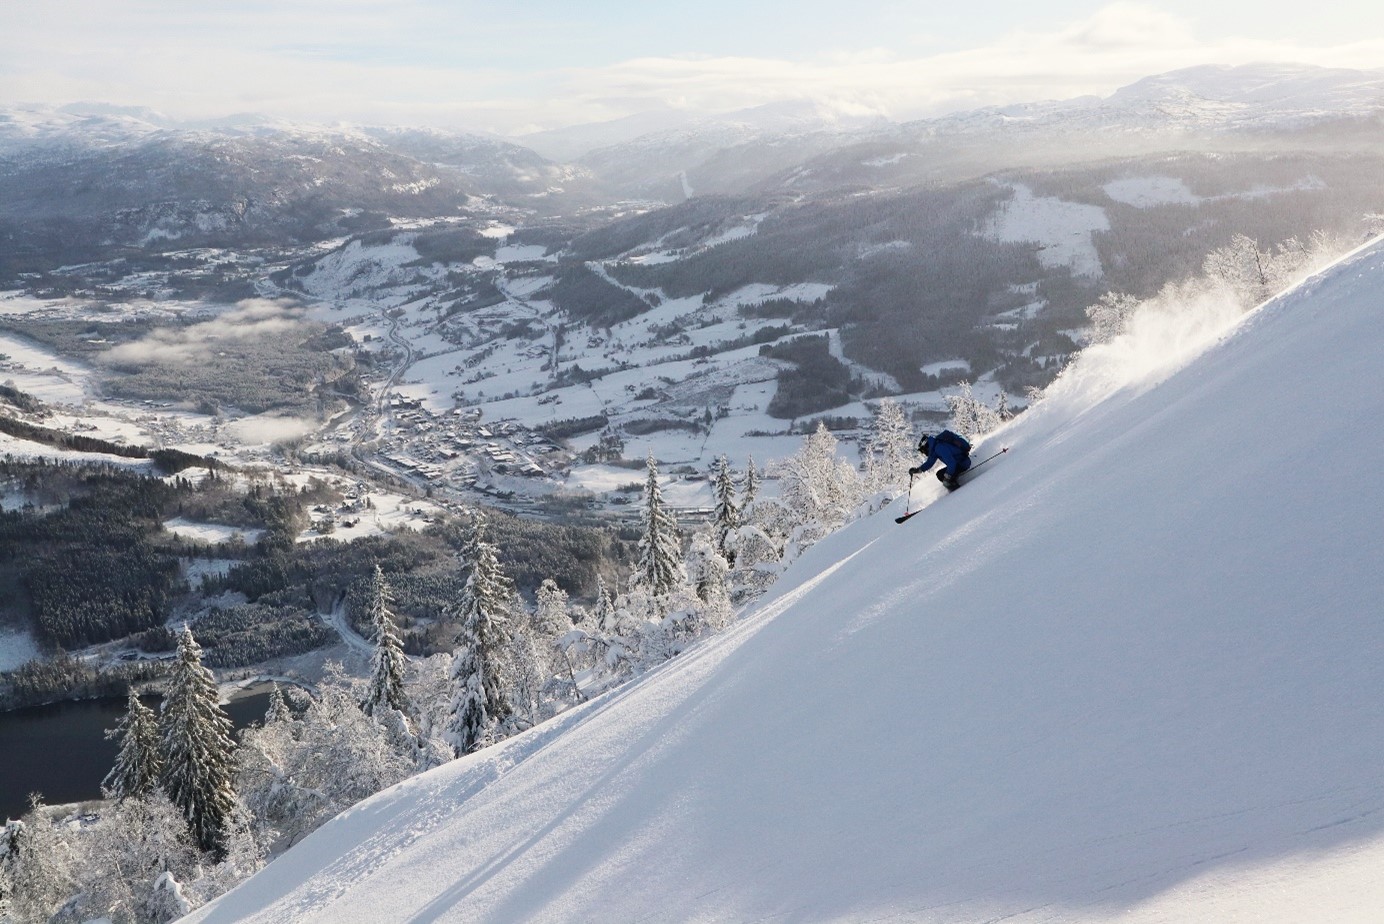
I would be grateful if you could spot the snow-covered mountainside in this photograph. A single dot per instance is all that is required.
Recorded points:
(1254, 96)
(1287, 106)
(1130, 672)
(805, 146)
(77, 184)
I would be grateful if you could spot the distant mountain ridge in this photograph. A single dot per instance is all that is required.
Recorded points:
(667, 155)
(754, 149)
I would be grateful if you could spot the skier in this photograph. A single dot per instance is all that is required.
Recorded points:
(954, 453)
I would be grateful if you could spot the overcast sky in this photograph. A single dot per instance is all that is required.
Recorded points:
(516, 67)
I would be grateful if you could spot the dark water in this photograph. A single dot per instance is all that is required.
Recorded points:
(60, 750)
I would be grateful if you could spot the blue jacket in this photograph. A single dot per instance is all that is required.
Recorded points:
(957, 460)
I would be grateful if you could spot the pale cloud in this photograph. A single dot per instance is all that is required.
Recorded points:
(269, 429)
(1119, 44)
(250, 320)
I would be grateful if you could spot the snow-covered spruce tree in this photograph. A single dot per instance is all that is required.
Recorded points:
(278, 712)
(388, 664)
(659, 571)
(532, 657)
(198, 753)
(817, 490)
(478, 699)
(138, 764)
(553, 620)
(468, 724)
(552, 615)
(603, 616)
(751, 492)
(890, 448)
(725, 517)
(709, 574)
(969, 415)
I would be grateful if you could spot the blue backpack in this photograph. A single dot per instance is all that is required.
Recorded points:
(951, 439)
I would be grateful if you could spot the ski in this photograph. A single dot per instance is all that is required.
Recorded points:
(960, 481)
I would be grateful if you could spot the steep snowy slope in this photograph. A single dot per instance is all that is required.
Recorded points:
(1132, 672)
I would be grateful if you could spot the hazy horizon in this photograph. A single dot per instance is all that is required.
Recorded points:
(543, 67)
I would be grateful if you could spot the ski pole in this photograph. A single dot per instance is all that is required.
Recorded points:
(996, 455)
(909, 502)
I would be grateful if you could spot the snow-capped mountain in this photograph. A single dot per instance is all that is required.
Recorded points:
(93, 177)
(723, 153)
(1265, 92)
(1130, 672)
(1259, 96)
(802, 151)
(786, 117)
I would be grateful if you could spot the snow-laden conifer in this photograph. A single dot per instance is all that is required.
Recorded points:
(970, 416)
(552, 615)
(603, 617)
(726, 515)
(659, 570)
(709, 574)
(751, 492)
(478, 698)
(278, 712)
(469, 721)
(197, 749)
(388, 664)
(817, 489)
(890, 448)
(138, 763)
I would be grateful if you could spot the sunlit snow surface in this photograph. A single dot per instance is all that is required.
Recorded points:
(1132, 672)
(1061, 229)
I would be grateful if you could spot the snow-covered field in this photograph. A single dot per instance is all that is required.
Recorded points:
(38, 371)
(1132, 672)
(29, 450)
(17, 648)
(210, 532)
(1061, 229)
(1147, 191)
